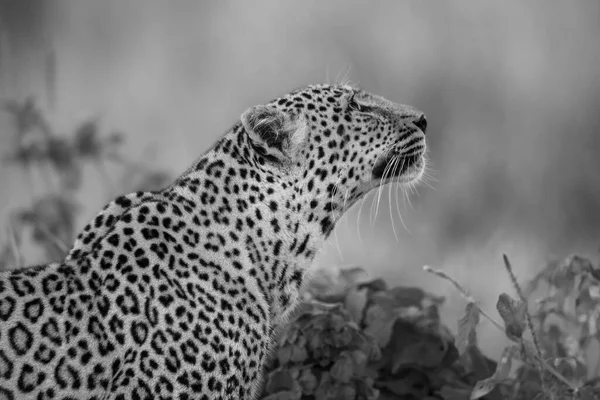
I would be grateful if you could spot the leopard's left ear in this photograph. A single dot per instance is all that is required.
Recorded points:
(275, 134)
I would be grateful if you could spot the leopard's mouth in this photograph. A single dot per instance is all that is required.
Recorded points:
(399, 167)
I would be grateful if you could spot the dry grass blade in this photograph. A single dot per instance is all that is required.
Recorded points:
(467, 325)
(542, 364)
(445, 276)
(517, 287)
(464, 292)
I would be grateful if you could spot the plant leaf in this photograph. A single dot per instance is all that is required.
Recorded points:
(379, 322)
(513, 313)
(355, 302)
(343, 369)
(467, 334)
(483, 387)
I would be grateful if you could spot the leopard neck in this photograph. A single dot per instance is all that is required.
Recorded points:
(257, 224)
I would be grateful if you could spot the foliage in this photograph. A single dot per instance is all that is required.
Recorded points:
(60, 161)
(404, 351)
(366, 341)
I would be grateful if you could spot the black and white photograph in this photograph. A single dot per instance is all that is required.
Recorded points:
(299, 200)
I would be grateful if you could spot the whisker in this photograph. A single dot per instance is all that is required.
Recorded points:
(345, 76)
(428, 176)
(386, 172)
(372, 210)
(375, 202)
(398, 189)
(358, 217)
(344, 208)
(337, 242)
(407, 198)
(371, 220)
(398, 207)
(396, 161)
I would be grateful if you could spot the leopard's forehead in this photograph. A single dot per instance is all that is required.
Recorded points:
(317, 92)
(323, 97)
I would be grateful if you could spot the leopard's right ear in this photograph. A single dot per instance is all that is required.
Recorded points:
(275, 134)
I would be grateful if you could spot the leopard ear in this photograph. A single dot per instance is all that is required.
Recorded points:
(274, 134)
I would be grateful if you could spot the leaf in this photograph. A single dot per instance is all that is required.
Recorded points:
(376, 285)
(326, 389)
(563, 274)
(482, 388)
(298, 354)
(571, 368)
(355, 302)
(280, 380)
(353, 276)
(504, 365)
(360, 361)
(408, 296)
(467, 334)
(315, 342)
(413, 384)
(26, 115)
(61, 155)
(85, 141)
(477, 363)
(284, 354)
(343, 369)
(330, 284)
(579, 266)
(307, 381)
(379, 322)
(589, 393)
(485, 386)
(414, 346)
(513, 313)
(344, 392)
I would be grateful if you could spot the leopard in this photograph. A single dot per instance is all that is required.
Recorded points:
(175, 293)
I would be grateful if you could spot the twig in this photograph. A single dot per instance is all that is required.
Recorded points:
(536, 343)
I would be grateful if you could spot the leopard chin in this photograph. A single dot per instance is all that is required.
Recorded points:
(399, 168)
(410, 174)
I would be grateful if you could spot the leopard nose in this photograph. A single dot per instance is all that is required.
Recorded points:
(421, 122)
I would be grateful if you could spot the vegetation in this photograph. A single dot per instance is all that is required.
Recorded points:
(59, 162)
(388, 343)
(351, 339)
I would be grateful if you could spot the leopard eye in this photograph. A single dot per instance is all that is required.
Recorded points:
(353, 104)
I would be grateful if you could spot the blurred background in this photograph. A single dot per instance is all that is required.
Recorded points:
(511, 91)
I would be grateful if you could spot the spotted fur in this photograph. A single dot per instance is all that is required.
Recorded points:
(174, 294)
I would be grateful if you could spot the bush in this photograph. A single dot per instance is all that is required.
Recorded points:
(373, 342)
